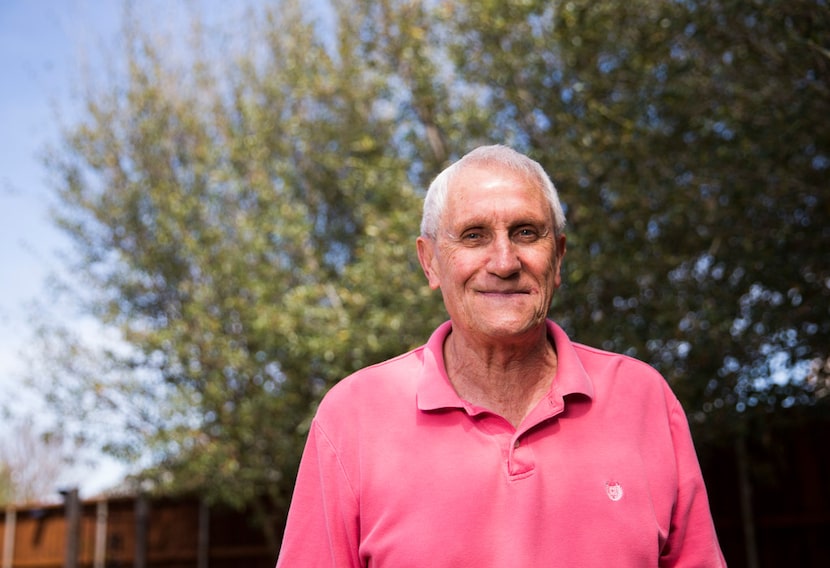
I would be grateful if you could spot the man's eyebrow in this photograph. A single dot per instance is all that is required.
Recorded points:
(539, 222)
(473, 222)
(482, 221)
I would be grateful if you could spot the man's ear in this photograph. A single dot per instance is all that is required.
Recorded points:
(561, 246)
(559, 254)
(426, 256)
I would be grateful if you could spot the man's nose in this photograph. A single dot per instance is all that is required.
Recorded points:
(504, 259)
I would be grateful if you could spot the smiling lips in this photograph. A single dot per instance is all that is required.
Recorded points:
(503, 292)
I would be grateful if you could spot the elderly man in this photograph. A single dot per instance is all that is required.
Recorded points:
(499, 443)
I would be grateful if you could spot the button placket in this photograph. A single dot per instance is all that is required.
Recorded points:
(521, 460)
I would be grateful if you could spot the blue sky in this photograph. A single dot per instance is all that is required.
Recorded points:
(46, 47)
(43, 45)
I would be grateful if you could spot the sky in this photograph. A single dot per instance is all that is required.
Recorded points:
(39, 45)
(46, 46)
(43, 46)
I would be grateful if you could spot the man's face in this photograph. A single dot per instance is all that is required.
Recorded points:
(495, 257)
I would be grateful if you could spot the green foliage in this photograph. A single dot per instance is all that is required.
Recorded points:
(248, 224)
(251, 237)
(6, 485)
(686, 142)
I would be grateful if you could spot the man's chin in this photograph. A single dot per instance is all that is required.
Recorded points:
(511, 328)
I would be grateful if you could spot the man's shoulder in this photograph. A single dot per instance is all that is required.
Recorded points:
(595, 361)
(397, 366)
(621, 379)
(599, 362)
(378, 382)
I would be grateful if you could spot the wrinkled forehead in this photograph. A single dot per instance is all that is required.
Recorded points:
(484, 192)
(484, 167)
(478, 178)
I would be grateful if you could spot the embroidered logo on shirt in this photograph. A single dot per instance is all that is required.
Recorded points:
(614, 490)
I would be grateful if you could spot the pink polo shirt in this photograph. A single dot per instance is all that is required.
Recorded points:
(399, 472)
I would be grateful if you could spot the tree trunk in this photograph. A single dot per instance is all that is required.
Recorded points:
(745, 490)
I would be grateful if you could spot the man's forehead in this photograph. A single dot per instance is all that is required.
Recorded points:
(479, 174)
(486, 217)
(477, 182)
(475, 206)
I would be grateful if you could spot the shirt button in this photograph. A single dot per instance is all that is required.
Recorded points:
(516, 444)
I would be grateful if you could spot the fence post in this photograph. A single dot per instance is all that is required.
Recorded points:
(8, 537)
(745, 493)
(100, 556)
(72, 504)
(141, 518)
(203, 554)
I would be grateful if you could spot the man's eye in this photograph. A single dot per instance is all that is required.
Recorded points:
(527, 234)
(471, 236)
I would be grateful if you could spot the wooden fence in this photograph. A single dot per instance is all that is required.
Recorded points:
(780, 481)
(129, 532)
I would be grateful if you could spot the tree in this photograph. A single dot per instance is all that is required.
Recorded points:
(233, 230)
(31, 463)
(247, 222)
(697, 239)
(6, 484)
(684, 137)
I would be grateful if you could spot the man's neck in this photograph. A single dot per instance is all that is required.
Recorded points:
(507, 380)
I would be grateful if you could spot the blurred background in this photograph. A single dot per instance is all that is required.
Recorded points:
(208, 212)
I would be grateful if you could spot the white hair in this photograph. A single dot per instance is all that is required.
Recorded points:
(436, 198)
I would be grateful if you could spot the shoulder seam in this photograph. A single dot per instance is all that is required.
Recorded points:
(325, 437)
